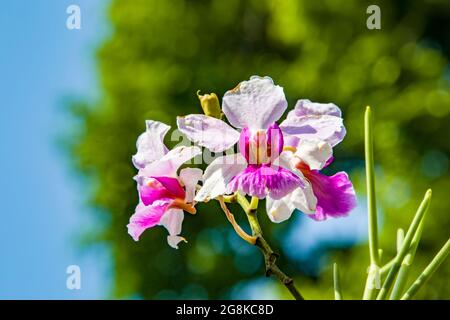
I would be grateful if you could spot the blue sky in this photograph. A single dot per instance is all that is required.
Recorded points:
(42, 208)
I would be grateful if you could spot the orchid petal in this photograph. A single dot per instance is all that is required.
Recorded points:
(315, 153)
(169, 164)
(209, 132)
(147, 217)
(190, 177)
(310, 120)
(172, 220)
(335, 195)
(262, 180)
(305, 107)
(256, 103)
(302, 199)
(150, 144)
(218, 174)
(172, 185)
(151, 190)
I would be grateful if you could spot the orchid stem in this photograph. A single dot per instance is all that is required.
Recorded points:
(428, 272)
(270, 256)
(370, 288)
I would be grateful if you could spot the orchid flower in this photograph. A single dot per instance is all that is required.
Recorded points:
(288, 180)
(163, 194)
(311, 132)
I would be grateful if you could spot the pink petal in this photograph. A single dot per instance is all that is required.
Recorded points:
(256, 103)
(261, 146)
(262, 180)
(151, 190)
(173, 186)
(209, 132)
(335, 195)
(147, 217)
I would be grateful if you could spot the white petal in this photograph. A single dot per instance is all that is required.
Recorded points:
(173, 241)
(150, 144)
(279, 210)
(305, 107)
(169, 164)
(323, 127)
(172, 221)
(256, 103)
(315, 153)
(218, 174)
(209, 132)
(190, 177)
(302, 199)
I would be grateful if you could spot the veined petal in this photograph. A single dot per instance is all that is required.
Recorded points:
(335, 195)
(322, 127)
(147, 217)
(256, 103)
(150, 144)
(218, 174)
(151, 189)
(209, 132)
(169, 164)
(315, 153)
(190, 177)
(305, 107)
(302, 199)
(172, 220)
(172, 185)
(263, 180)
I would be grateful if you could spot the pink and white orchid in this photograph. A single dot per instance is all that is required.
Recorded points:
(288, 180)
(163, 194)
(311, 130)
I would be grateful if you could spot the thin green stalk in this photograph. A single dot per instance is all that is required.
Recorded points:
(400, 238)
(384, 269)
(402, 277)
(370, 289)
(428, 272)
(421, 211)
(337, 283)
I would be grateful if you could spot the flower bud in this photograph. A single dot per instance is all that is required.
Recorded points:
(210, 105)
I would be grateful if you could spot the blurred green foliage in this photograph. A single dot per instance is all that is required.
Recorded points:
(160, 52)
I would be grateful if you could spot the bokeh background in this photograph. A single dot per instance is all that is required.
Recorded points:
(145, 59)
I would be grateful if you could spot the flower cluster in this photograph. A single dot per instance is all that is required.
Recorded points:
(277, 162)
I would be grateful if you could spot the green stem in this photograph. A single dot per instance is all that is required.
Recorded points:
(423, 208)
(270, 256)
(402, 277)
(428, 272)
(370, 289)
(337, 283)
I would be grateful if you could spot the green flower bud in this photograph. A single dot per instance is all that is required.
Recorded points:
(210, 105)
